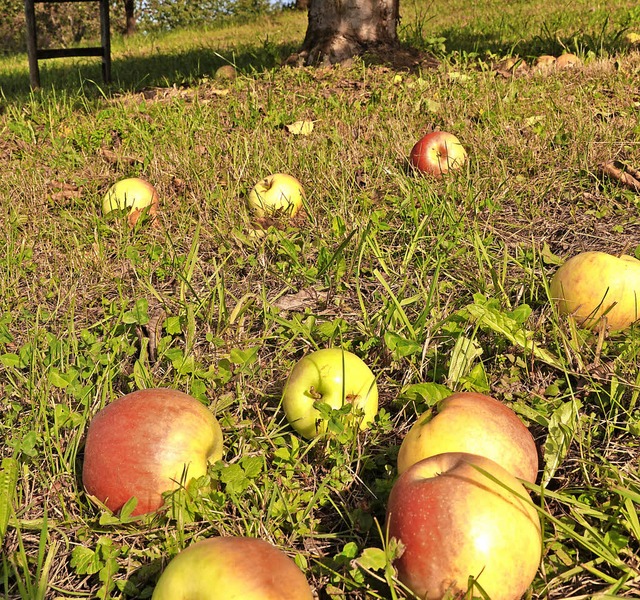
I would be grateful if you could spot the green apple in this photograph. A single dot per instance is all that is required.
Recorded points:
(232, 568)
(459, 516)
(594, 286)
(473, 423)
(132, 194)
(332, 376)
(278, 195)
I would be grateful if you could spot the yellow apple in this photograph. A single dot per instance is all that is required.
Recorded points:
(232, 568)
(456, 520)
(567, 61)
(477, 424)
(331, 376)
(544, 62)
(277, 195)
(134, 194)
(438, 153)
(592, 286)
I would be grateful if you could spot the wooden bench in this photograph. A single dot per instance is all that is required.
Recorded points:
(35, 54)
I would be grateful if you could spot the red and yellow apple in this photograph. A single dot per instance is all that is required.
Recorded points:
(132, 194)
(437, 153)
(594, 286)
(233, 568)
(147, 443)
(331, 376)
(275, 196)
(473, 423)
(456, 520)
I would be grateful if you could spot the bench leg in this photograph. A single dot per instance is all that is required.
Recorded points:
(105, 34)
(32, 43)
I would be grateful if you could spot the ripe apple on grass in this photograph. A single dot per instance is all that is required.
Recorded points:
(477, 424)
(145, 444)
(330, 376)
(233, 568)
(276, 196)
(597, 288)
(132, 194)
(456, 520)
(437, 153)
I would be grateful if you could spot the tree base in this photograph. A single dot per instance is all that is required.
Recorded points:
(341, 50)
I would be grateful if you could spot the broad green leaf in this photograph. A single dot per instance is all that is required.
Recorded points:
(562, 425)
(373, 559)
(509, 328)
(8, 482)
(463, 355)
(401, 346)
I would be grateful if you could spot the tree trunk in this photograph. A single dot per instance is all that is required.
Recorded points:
(302, 4)
(341, 29)
(130, 18)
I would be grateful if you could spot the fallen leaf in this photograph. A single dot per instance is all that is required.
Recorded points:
(300, 127)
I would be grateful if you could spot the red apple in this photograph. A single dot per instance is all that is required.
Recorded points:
(147, 443)
(239, 568)
(456, 521)
(474, 423)
(438, 153)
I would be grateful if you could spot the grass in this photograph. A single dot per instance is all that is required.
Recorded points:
(439, 286)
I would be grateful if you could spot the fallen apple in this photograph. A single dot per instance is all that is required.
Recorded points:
(568, 61)
(544, 62)
(275, 196)
(226, 72)
(238, 568)
(132, 194)
(147, 443)
(473, 423)
(598, 288)
(456, 520)
(331, 376)
(438, 153)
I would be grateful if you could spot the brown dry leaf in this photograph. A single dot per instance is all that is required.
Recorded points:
(300, 127)
(113, 157)
(625, 174)
(304, 298)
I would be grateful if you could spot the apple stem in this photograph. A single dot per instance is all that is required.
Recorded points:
(314, 394)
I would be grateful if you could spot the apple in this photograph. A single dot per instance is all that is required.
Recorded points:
(146, 443)
(456, 520)
(134, 194)
(567, 61)
(277, 195)
(597, 288)
(225, 72)
(438, 153)
(473, 423)
(332, 376)
(238, 568)
(545, 62)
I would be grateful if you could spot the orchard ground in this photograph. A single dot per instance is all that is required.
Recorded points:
(437, 285)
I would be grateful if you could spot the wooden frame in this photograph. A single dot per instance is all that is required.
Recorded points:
(35, 54)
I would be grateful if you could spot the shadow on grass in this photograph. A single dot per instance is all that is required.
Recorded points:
(133, 73)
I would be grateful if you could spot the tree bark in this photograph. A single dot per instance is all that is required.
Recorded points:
(341, 29)
(130, 18)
